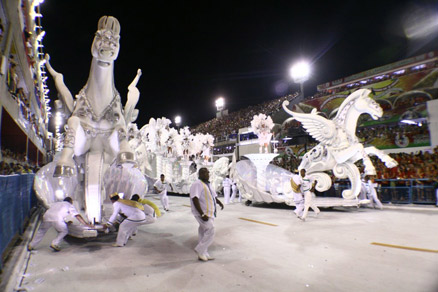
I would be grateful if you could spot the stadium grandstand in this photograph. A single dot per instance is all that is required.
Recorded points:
(403, 89)
(407, 91)
(26, 143)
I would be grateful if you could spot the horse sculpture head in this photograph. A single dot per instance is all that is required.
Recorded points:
(365, 104)
(106, 46)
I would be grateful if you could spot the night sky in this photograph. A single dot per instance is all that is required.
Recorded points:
(193, 52)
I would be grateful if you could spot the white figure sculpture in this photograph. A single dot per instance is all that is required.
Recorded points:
(97, 113)
(218, 172)
(261, 126)
(196, 145)
(174, 144)
(339, 148)
(207, 141)
(97, 128)
(185, 141)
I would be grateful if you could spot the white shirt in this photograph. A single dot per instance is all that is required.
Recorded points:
(226, 183)
(161, 186)
(131, 213)
(206, 196)
(59, 211)
(307, 184)
(298, 180)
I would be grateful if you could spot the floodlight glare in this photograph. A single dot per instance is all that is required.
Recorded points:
(220, 103)
(300, 72)
(177, 120)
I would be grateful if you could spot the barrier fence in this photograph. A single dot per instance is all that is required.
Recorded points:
(394, 191)
(16, 200)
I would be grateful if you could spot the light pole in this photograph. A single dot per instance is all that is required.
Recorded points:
(300, 73)
(177, 121)
(220, 105)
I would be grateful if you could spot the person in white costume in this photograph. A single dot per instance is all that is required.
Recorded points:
(135, 216)
(150, 210)
(296, 182)
(234, 192)
(363, 190)
(370, 186)
(55, 217)
(307, 188)
(160, 187)
(203, 199)
(226, 183)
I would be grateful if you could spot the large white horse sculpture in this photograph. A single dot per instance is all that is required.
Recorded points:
(97, 128)
(339, 148)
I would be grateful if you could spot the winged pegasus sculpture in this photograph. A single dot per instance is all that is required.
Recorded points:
(339, 147)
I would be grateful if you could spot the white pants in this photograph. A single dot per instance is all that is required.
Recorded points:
(60, 226)
(149, 212)
(308, 203)
(205, 234)
(234, 193)
(128, 227)
(164, 199)
(227, 191)
(299, 204)
(372, 196)
(299, 207)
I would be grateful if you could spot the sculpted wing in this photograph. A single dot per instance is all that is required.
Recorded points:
(318, 127)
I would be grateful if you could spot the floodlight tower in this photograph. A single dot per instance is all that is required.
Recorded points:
(220, 106)
(300, 73)
(177, 121)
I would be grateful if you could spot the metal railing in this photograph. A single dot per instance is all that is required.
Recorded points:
(395, 191)
(16, 200)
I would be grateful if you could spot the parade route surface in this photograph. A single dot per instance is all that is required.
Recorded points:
(257, 248)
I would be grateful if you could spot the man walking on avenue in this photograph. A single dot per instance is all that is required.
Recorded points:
(160, 187)
(203, 201)
(226, 184)
(370, 187)
(55, 217)
(296, 182)
(308, 188)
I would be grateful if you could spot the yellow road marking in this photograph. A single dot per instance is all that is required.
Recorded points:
(405, 247)
(261, 222)
(187, 206)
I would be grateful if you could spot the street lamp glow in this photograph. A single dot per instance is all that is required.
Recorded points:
(220, 103)
(177, 121)
(300, 72)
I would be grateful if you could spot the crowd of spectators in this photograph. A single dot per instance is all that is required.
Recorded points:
(20, 96)
(421, 165)
(398, 134)
(287, 161)
(396, 74)
(15, 163)
(16, 70)
(231, 123)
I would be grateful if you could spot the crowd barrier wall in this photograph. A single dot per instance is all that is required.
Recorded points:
(16, 200)
(394, 191)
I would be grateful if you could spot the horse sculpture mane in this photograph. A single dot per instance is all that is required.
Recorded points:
(339, 147)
